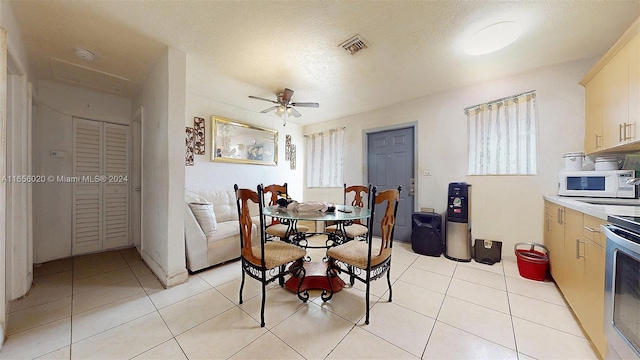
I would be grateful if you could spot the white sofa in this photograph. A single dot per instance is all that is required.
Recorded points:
(221, 245)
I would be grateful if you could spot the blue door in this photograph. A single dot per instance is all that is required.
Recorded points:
(390, 158)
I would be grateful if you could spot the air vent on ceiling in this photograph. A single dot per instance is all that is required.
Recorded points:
(354, 44)
(84, 76)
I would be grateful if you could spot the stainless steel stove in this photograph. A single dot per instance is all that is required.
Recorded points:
(622, 287)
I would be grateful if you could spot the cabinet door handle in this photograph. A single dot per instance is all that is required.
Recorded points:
(559, 219)
(548, 221)
(591, 229)
(620, 133)
(578, 249)
(628, 126)
(597, 143)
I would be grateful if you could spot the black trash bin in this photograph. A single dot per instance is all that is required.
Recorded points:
(426, 235)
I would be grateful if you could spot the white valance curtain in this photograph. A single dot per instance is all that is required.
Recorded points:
(502, 136)
(325, 152)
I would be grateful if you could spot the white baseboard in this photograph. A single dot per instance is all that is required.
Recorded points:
(2, 336)
(167, 280)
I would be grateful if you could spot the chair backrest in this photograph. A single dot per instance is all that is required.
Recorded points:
(245, 198)
(274, 190)
(388, 221)
(359, 193)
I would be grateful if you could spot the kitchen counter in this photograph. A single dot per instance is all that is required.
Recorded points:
(620, 207)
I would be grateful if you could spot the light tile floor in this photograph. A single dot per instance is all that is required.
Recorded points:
(111, 306)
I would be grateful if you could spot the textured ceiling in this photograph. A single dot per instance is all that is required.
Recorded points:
(240, 48)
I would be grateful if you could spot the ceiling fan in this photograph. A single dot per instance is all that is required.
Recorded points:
(284, 107)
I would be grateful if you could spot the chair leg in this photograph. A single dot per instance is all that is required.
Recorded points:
(366, 320)
(281, 278)
(241, 286)
(264, 297)
(389, 282)
(352, 278)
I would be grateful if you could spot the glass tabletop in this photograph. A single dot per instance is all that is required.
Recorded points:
(342, 213)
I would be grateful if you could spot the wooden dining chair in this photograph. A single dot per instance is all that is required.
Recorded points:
(274, 227)
(355, 229)
(358, 259)
(266, 261)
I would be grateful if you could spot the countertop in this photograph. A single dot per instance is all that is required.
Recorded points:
(620, 207)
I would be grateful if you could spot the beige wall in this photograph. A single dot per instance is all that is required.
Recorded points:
(11, 265)
(163, 100)
(206, 174)
(58, 103)
(504, 208)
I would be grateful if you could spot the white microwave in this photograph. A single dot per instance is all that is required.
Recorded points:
(604, 183)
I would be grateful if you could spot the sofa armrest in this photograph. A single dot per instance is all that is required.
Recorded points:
(195, 242)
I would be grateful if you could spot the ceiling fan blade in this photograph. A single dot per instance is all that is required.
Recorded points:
(306, 104)
(287, 94)
(294, 112)
(259, 98)
(269, 109)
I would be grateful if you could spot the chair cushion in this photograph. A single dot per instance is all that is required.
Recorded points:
(280, 230)
(355, 253)
(277, 253)
(351, 230)
(205, 216)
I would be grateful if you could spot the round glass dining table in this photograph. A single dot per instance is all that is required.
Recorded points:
(316, 272)
(342, 213)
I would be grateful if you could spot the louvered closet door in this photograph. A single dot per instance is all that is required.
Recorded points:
(101, 192)
(87, 216)
(116, 188)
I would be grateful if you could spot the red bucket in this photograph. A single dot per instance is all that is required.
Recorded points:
(532, 264)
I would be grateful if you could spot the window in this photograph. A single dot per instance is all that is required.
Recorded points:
(324, 153)
(502, 136)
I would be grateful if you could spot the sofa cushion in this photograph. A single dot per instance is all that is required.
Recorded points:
(225, 229)
(191, 196)
(205, 216)
(224, 203)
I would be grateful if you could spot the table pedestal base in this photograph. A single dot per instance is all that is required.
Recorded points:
(315, 278)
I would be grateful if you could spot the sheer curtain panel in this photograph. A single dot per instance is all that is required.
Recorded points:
(325, 152)
(502, 136)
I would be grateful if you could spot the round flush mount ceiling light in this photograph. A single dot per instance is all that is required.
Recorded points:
(493, 38)
(85, 54)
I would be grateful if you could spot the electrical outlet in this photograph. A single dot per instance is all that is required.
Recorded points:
(426, 173)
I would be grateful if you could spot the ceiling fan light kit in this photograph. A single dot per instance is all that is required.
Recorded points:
(284, 106)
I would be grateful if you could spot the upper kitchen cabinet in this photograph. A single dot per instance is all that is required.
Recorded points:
(612, 97)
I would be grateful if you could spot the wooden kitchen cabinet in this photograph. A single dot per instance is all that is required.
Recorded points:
(572, 263)
(554, 238)
(577, 256)
(616, 126)
(594, 115)
(612, 97)
(592, 304)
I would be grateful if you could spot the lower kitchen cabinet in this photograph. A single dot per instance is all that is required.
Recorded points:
(577, 256)
(592, 304)
(554, 238)
(573, 263)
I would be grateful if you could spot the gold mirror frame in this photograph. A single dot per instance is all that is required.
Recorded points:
(235, 142)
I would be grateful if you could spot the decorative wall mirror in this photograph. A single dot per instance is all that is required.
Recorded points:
(242, 143)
